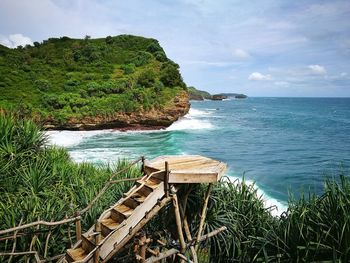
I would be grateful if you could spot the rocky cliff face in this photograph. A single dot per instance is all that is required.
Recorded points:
(143, 120)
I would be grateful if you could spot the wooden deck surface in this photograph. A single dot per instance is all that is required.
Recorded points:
(189, 168)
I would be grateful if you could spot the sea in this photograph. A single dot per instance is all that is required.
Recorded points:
(281, 146)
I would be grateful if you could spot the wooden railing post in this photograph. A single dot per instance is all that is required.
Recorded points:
(97, 241)
(78, 227)
(166, 179)
(143, 165)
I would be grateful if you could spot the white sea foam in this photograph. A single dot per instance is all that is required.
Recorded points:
(192, 121)
(71, 138)
(277, 207)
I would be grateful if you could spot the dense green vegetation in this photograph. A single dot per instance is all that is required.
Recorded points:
(63, 78)
(41, 182)
(196, 94)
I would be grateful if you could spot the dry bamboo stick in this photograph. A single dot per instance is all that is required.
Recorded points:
(47, 243)
(15, 242)
(189, 238)
(179, 224)
(162, 255)
(204, 213)
(188, 235)
(41, 222)
(173, 251)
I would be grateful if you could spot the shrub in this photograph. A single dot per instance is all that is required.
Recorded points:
(42, 84)
(128, 68)
(142, 58)
(146, 78)
(170, 75)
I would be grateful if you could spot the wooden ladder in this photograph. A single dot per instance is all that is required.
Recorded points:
(117, 225)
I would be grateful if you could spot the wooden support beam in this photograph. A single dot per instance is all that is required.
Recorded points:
(166, 179)
(188, 235)
(143, 171)
(179, 223)
(204, 213)
(78, 228)
(189, 238)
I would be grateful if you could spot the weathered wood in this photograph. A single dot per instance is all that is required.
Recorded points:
(143, 171)
(78, 229)
(204, 213)
(189, 169)
(162, 255)
(141, 224)
(209, 235)
(134, 219)
(189, 238)
(166, 179)
(179, 223)
(14, 242)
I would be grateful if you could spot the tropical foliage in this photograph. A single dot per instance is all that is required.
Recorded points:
(42, 183)
(64, 78)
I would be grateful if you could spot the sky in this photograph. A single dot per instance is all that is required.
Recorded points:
(259, 48)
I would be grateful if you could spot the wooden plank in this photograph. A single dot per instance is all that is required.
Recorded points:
(192, 178)
(132, 221)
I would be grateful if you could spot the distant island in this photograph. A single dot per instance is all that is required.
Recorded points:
(196, 94)
(122, 82)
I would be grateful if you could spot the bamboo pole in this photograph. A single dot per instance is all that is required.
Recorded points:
(179, 224)
(189, 238)
(204, 213)
(78, 229)
(188, 235)
(143, 165)
(174, 251)
(166, 179)
(15, 242)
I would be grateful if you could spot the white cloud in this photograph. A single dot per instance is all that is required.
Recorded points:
(15, 40)
(241, 54)
(343, 74)
(258, 76)
(317, 69)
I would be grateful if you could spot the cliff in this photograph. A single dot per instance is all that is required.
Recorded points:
(124, 82)
(139, 120)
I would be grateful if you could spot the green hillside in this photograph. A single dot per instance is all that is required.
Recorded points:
(196, 94)
(66, 79)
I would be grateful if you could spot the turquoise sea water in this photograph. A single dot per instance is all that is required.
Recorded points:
(283, 144)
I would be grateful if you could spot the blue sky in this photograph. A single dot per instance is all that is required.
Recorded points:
(260, 48)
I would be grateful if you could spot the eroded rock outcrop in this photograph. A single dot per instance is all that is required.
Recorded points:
(143, 120)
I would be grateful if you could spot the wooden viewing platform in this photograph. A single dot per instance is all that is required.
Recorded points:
(194, 169)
